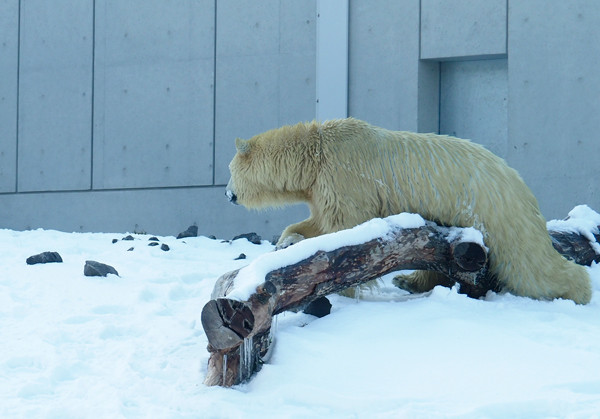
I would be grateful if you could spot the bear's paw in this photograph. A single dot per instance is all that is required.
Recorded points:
(289, 240)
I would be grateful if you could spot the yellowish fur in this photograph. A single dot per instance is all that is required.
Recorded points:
(349, 171)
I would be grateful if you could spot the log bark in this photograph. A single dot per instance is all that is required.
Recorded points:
(575, 247)
(239, 332)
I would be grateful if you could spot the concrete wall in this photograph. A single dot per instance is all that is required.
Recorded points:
(121, 115)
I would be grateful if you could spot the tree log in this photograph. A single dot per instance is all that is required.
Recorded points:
(575, 247)
(238, 332)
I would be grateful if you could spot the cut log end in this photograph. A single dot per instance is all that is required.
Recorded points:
(469, 256)
(226, 322)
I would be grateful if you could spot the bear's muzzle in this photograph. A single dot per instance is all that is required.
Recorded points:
(231, 196)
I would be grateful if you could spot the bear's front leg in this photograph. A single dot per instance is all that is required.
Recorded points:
(298, 232)
(421, 281)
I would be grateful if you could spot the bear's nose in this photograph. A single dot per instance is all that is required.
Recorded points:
(231, 196)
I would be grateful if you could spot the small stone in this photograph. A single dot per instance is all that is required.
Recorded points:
(45, 257)
(153, 239)
(192, 231)
(251, 237)
(93, 268)
(128, 238)
(165, 247)
(212, 237)
(130, 249)
(153, 244)
(115, 240)
(240, 257)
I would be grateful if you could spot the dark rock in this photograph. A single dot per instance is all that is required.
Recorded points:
(115, 240)
(130, 249)
(251, 237)
(128, 238)
(240, 257)
(192, 231)
(153, 244)
(46, 257)
(275, 239)
(165, 247)
(212, 237)
(93, 268)
(153, 239)
(320, 307)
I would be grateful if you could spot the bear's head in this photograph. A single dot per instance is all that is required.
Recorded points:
(275, 168)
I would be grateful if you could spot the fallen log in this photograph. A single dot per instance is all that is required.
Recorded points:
(239, 329)
(238, 332)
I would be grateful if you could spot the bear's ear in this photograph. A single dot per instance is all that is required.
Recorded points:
(243, 146)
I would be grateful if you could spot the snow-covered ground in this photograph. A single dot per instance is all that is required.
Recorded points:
(132, 345)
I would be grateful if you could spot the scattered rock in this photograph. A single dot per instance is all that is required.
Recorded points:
(153, 239)
(114, 241)
(153, 244)
(192, 231)
(45, 257)
(212, 237)
(241, 256)
(165, 247)
(320, 307)
(251, 237)
(130, 249)
(93, 268)
(128, 238)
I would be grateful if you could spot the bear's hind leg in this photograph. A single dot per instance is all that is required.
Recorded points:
(422, 281)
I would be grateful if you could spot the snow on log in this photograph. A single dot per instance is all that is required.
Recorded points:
(237, 321)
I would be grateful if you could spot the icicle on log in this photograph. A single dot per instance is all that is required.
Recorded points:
(239, 332)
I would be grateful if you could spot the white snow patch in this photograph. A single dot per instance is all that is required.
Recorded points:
(133, 346)
(467, 234)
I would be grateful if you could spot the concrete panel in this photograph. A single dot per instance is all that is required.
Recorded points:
(9, 46)
(265, 71)
(55, 94)
(248, 27)
(132, 211)
(247, 103)
(474, 102)
(388, 85)
(554, 90)
(298, 30)
(297, 91)
(452, 29)
(297, 68)
(153, 107)
(332, 59)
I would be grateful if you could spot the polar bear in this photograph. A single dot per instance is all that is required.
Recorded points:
(349, 171)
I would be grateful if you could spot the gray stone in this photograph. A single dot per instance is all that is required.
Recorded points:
(93, 268)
